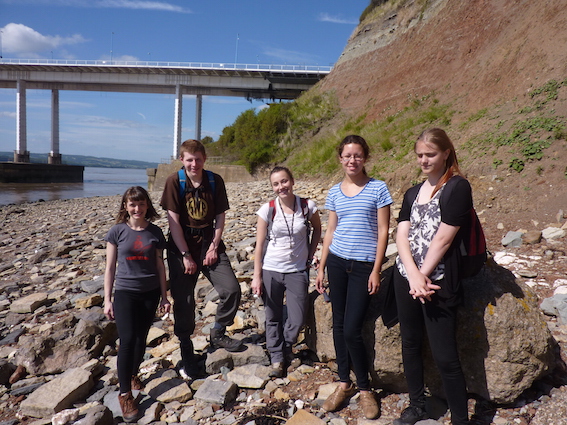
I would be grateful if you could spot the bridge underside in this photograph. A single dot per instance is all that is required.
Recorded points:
(218, 80)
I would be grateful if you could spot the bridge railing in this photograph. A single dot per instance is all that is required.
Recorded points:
(160, 64)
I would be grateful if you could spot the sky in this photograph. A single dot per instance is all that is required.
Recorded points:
(140, 126)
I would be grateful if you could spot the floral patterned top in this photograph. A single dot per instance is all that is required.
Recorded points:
(425, 220)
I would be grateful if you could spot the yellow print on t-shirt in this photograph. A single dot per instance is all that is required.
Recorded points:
(197, 208)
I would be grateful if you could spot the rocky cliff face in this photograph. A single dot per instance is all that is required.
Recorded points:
(489, 62)
(474, 53)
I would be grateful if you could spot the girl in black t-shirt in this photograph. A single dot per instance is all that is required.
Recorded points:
(134, 265)
(426, 279)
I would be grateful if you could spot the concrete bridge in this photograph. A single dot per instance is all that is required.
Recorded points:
(273, 82)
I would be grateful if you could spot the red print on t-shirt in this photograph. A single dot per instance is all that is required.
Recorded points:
(139, 250)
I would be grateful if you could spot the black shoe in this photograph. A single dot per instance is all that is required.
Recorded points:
(277, 370)
(411, 415)
(220, 340)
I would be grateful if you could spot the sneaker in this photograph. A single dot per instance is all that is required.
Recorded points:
(220, 340)
(410, 415)
(338, 398)
(129, 407)
(368, 404)
(136, 383)
(277, 370)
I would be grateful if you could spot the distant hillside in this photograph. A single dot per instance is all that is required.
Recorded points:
(86, 161)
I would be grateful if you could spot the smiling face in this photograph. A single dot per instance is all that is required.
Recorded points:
(431, 159)
(282, 184)
(136, 209)
(193, 163)
(352, 159)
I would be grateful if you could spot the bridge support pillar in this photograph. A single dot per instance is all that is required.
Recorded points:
(178, 118)
(54, 155)
(198, 115)
(21, 153)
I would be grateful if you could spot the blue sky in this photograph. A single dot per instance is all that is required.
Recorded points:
(140, 126)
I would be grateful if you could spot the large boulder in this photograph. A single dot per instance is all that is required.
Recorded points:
(504, 342)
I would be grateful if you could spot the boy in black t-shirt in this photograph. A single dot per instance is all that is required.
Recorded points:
(196, 216)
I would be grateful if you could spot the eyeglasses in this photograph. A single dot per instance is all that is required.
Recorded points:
(346, 159)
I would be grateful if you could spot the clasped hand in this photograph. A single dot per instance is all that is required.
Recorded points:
(421, 287)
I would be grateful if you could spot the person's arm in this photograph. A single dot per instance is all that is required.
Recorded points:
(315, 221)
(331, 226)
(439, 246)
(179, 239)
(211, 256)
(109, 275)
(420, 284)
(383, 220)
(261, 234)
(165, 306)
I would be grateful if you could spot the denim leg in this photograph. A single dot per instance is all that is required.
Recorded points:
(348, 284)
(440, 322)
(411, 320)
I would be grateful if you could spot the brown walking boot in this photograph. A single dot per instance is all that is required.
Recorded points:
(136, 383)
(129, 407)
(368, 405)
(338, 398)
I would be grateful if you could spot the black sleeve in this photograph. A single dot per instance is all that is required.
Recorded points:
(455, 208)
(409, 197)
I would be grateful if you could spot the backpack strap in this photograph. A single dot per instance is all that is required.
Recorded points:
(183, 181)
(304, 205)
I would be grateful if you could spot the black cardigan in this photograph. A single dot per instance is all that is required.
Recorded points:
(455, 203)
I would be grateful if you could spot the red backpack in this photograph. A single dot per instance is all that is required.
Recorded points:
(473, 244)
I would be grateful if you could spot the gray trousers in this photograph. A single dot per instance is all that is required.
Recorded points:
(283, 322)
(182, 285)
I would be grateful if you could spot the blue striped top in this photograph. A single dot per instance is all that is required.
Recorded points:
(356, 235)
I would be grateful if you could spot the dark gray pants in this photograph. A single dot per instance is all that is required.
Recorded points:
(182, 285)
(283, 322)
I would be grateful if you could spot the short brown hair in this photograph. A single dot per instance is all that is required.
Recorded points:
(192, 146)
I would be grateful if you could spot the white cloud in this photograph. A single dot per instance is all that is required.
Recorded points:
(8, 114)
(22, 40)
(325, 17)
(109, 4)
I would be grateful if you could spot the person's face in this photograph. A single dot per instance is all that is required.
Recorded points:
(193, 163)
(431, 160)
(352, 159)
(282, 184)
(137, 209)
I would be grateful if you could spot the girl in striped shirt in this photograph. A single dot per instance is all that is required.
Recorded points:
(353, 252)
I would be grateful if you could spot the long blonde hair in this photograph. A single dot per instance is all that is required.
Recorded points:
(439, 138)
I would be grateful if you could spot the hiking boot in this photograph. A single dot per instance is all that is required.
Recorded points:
(220, 340)
(368, 404)
(277, 370)
(338, 398)
(136, 383)
(410, 415)
(129, 407)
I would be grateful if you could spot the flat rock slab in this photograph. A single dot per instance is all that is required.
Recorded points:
(58, 394)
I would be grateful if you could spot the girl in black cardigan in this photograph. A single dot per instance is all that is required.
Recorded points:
(426, 277)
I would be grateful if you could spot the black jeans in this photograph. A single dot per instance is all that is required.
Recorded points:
(439, 322)
(348, 285)
(134, 313)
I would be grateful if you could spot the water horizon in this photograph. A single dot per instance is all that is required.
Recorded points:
(96, 182)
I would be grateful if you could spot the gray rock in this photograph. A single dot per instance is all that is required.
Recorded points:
(217, 391)
(496, 366)
(58, 394)
(96, 415)
(512, 239)
(250, 376)
(553, 233)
